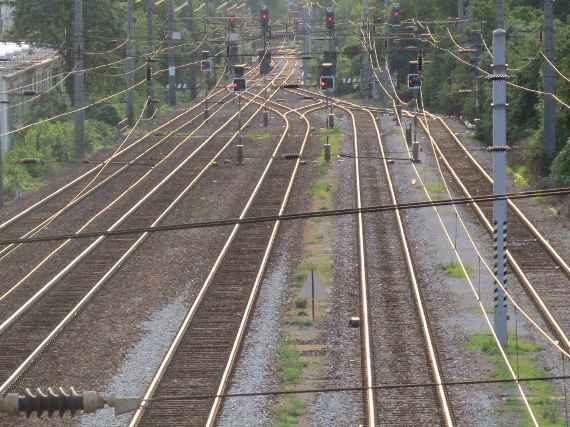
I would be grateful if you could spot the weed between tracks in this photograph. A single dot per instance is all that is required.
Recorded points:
(301, 353)
(523, 357)
(453, 269)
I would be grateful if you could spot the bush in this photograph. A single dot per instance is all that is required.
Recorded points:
(561, 166)
(105, 113)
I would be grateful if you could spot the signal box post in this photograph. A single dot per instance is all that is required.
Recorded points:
(239, 86)
(327, 83)
(206, 68)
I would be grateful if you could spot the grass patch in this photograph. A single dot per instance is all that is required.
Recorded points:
(321, 190)
(520, 175)
(289, 412)
(334, 137)
(435, 188)
(453, 269)
(289, 362)
(261, 136)
(540, 393)
(302, 321)
(300, 302)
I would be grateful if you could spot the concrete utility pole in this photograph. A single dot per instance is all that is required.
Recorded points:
(193, 70)
(500, 23)
(461, 16)
(148, 51)
(365, 64)
(79, 79)
(499, 150)
(306, 43)
(549, 84)
(171, 55)
(130, 62)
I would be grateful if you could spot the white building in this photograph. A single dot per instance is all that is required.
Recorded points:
(6, 14)
(25, 72)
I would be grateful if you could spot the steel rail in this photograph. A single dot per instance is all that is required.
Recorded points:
(186, 323)
(418, 298)
(86, 298)
(537, 299)
(109, 205)
(93, 170)
(85, 252)
(6, 250)
(520, 215)
(434, 362)
(365, 316)
(261, 271)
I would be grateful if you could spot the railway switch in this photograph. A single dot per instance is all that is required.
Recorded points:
(61, 401)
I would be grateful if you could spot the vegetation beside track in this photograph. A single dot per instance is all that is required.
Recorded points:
(523, 355)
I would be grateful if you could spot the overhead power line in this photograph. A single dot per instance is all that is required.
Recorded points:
(296, 216)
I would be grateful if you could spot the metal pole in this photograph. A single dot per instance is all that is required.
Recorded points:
(131, 62)
(239, 116)
(306, 43)
(79, 79)
(171, 55)
(549, 84)
(500, 22)
(499, 150)
(193, 70)
(148, 51)
(313, 293)
(460, 16)
(365, 64)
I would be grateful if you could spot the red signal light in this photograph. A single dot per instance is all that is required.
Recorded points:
(396, 13)
(264, 16)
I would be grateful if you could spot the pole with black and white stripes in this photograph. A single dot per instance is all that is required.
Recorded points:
(499, 150)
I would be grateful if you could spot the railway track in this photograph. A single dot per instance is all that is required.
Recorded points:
(541, 270)
(201, 358)
(143, 152)
(34, 325)
(397, 333)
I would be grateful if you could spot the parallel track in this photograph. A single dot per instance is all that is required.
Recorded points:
(201, 358)
(543, 273)
(399, 334)
(28, 332)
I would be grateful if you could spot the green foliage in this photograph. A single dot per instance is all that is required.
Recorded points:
(289, 362)
(561, 166)
(50, 143)
(106, 113)
(287, 415)
(522, 355)
(454, 269)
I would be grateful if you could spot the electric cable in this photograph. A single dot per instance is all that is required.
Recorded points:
(562, 191)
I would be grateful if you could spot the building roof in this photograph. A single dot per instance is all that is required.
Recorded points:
(15, 57)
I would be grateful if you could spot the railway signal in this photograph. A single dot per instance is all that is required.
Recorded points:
(329, 18)
(327, 83)
(239, 84)
(206, 62)
(327, 79)
(264, 19)
(414, 76)
(232, 22)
